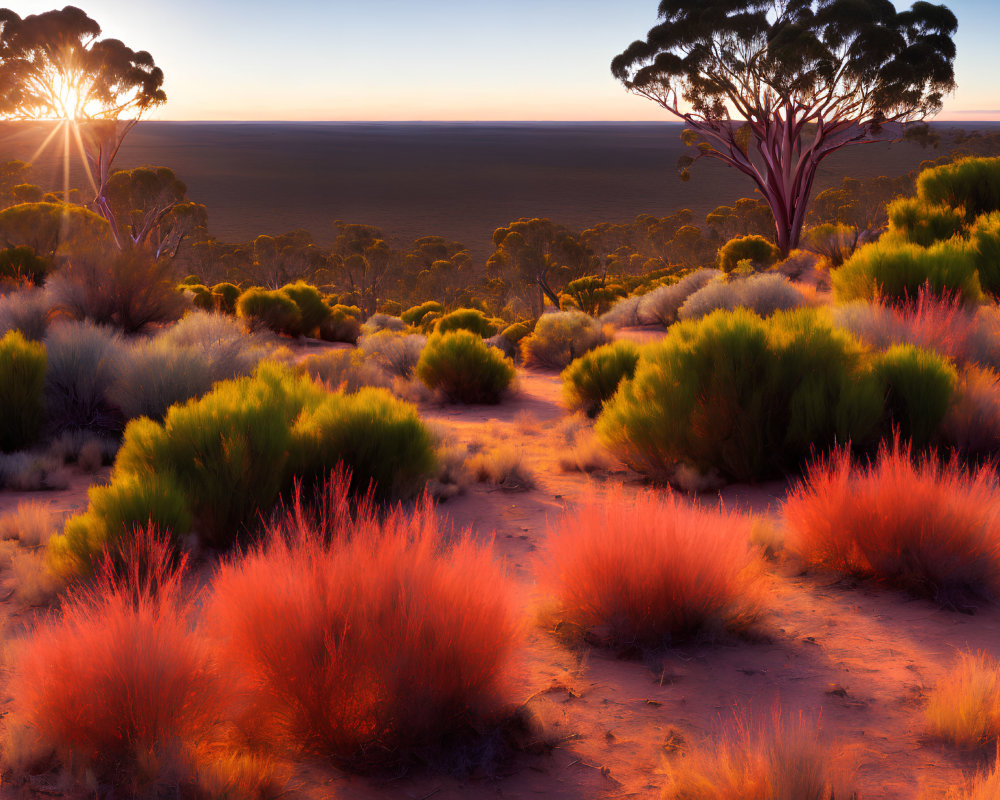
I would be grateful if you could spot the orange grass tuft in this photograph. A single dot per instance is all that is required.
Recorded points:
(360, 637)
(772, 759)
(928, 527)
(646, 570)
(964, 706)
(118, 687)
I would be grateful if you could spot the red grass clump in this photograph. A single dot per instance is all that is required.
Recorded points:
(644, 571)
(929, 527)
(937, 323)
(118, 687)
(359, 636)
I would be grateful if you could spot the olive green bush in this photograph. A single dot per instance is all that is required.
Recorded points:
(467, 319)
(919, 385)
(742, 397)
(895, 272)
(756, 249)
(263, 308)
(22, 381)
(913, 220)
(463, 368)
(230, 454)
(415, 315)
(313, 310)
(342, 325)
(592, 379)
(972, 184)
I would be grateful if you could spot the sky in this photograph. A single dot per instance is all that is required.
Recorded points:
(432, 59)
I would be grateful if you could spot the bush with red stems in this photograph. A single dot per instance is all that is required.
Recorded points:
(645, 571)
(929, 527)
(359, 636)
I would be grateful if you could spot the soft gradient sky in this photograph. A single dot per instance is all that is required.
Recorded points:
(432, 60)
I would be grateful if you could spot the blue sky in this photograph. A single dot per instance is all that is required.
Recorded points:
(432, 60)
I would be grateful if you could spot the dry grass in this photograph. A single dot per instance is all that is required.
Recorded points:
(930, 528)
(972, 422)
(770, 759)
(32, 524)
(649, 570)
(964, 707)
(359, 637)
(503, 465)
(984, 786)
(586, 454)
(118, 687)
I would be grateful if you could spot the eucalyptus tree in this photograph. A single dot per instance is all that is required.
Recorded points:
(55, 66)
(773, 87)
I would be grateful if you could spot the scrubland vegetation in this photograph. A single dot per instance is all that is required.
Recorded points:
(259, 576)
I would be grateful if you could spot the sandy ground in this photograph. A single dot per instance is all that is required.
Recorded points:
(857, 658)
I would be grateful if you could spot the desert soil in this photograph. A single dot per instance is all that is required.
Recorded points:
(858, 658)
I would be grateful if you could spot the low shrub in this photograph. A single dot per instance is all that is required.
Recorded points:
(912, 220)
(380, 439)
(426, 655)
(927, 527)
(832, 241)
(624, 313)
(22, 264)
(129, 290)
(593, 378)
(592, 294)
(963, 708)
(504, 466)
(230, 349)
(224, 458)
(383, 322)
(345, 370)
(756, 249)
(660, 306)
(114, 512)
(117, 687)
(984, 250)
(414, 316)
(151, 376)
(273, 310)
(766, 759)
(313, 310)
(561, 337)
(649, 571)
(32, 524)
(340, 326)
(466, 319)
(28, 311)
(515, 332)
(22, 381)
(971, 426)
(744, 397)
(762, 294)
(895, 272)
(229, 295)
(463, 368)
(919, 385)
(972, 184)
(397, 353)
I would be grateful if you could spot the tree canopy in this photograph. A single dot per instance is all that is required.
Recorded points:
(772, 87)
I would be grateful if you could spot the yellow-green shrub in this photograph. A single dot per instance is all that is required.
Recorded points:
(22, 379)
(756, 249)
(263, 308)
(464, 368)
(918, 385)
(312, 308)
(467, 319)
(592, 379)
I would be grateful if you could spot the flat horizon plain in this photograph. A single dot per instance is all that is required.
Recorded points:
(458, 180)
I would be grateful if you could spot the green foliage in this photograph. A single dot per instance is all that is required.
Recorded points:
(744, 397)
(592, 379)
(896, 271)
(913, 220)
(340, 326)
(414, 316)
(380, 438)
(971, 184)
(918, 386)
(463, 368)
(274, 310)
(229, 295)
(984, 250)
(833, 241)
(22, 379)
(23, 264)
(313, 310)
(115, 511)
(516, 332)
(561, 337)
(229, 454)
(758, 250)
(466, 319)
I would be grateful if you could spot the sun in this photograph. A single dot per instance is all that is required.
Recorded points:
(67, 100)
